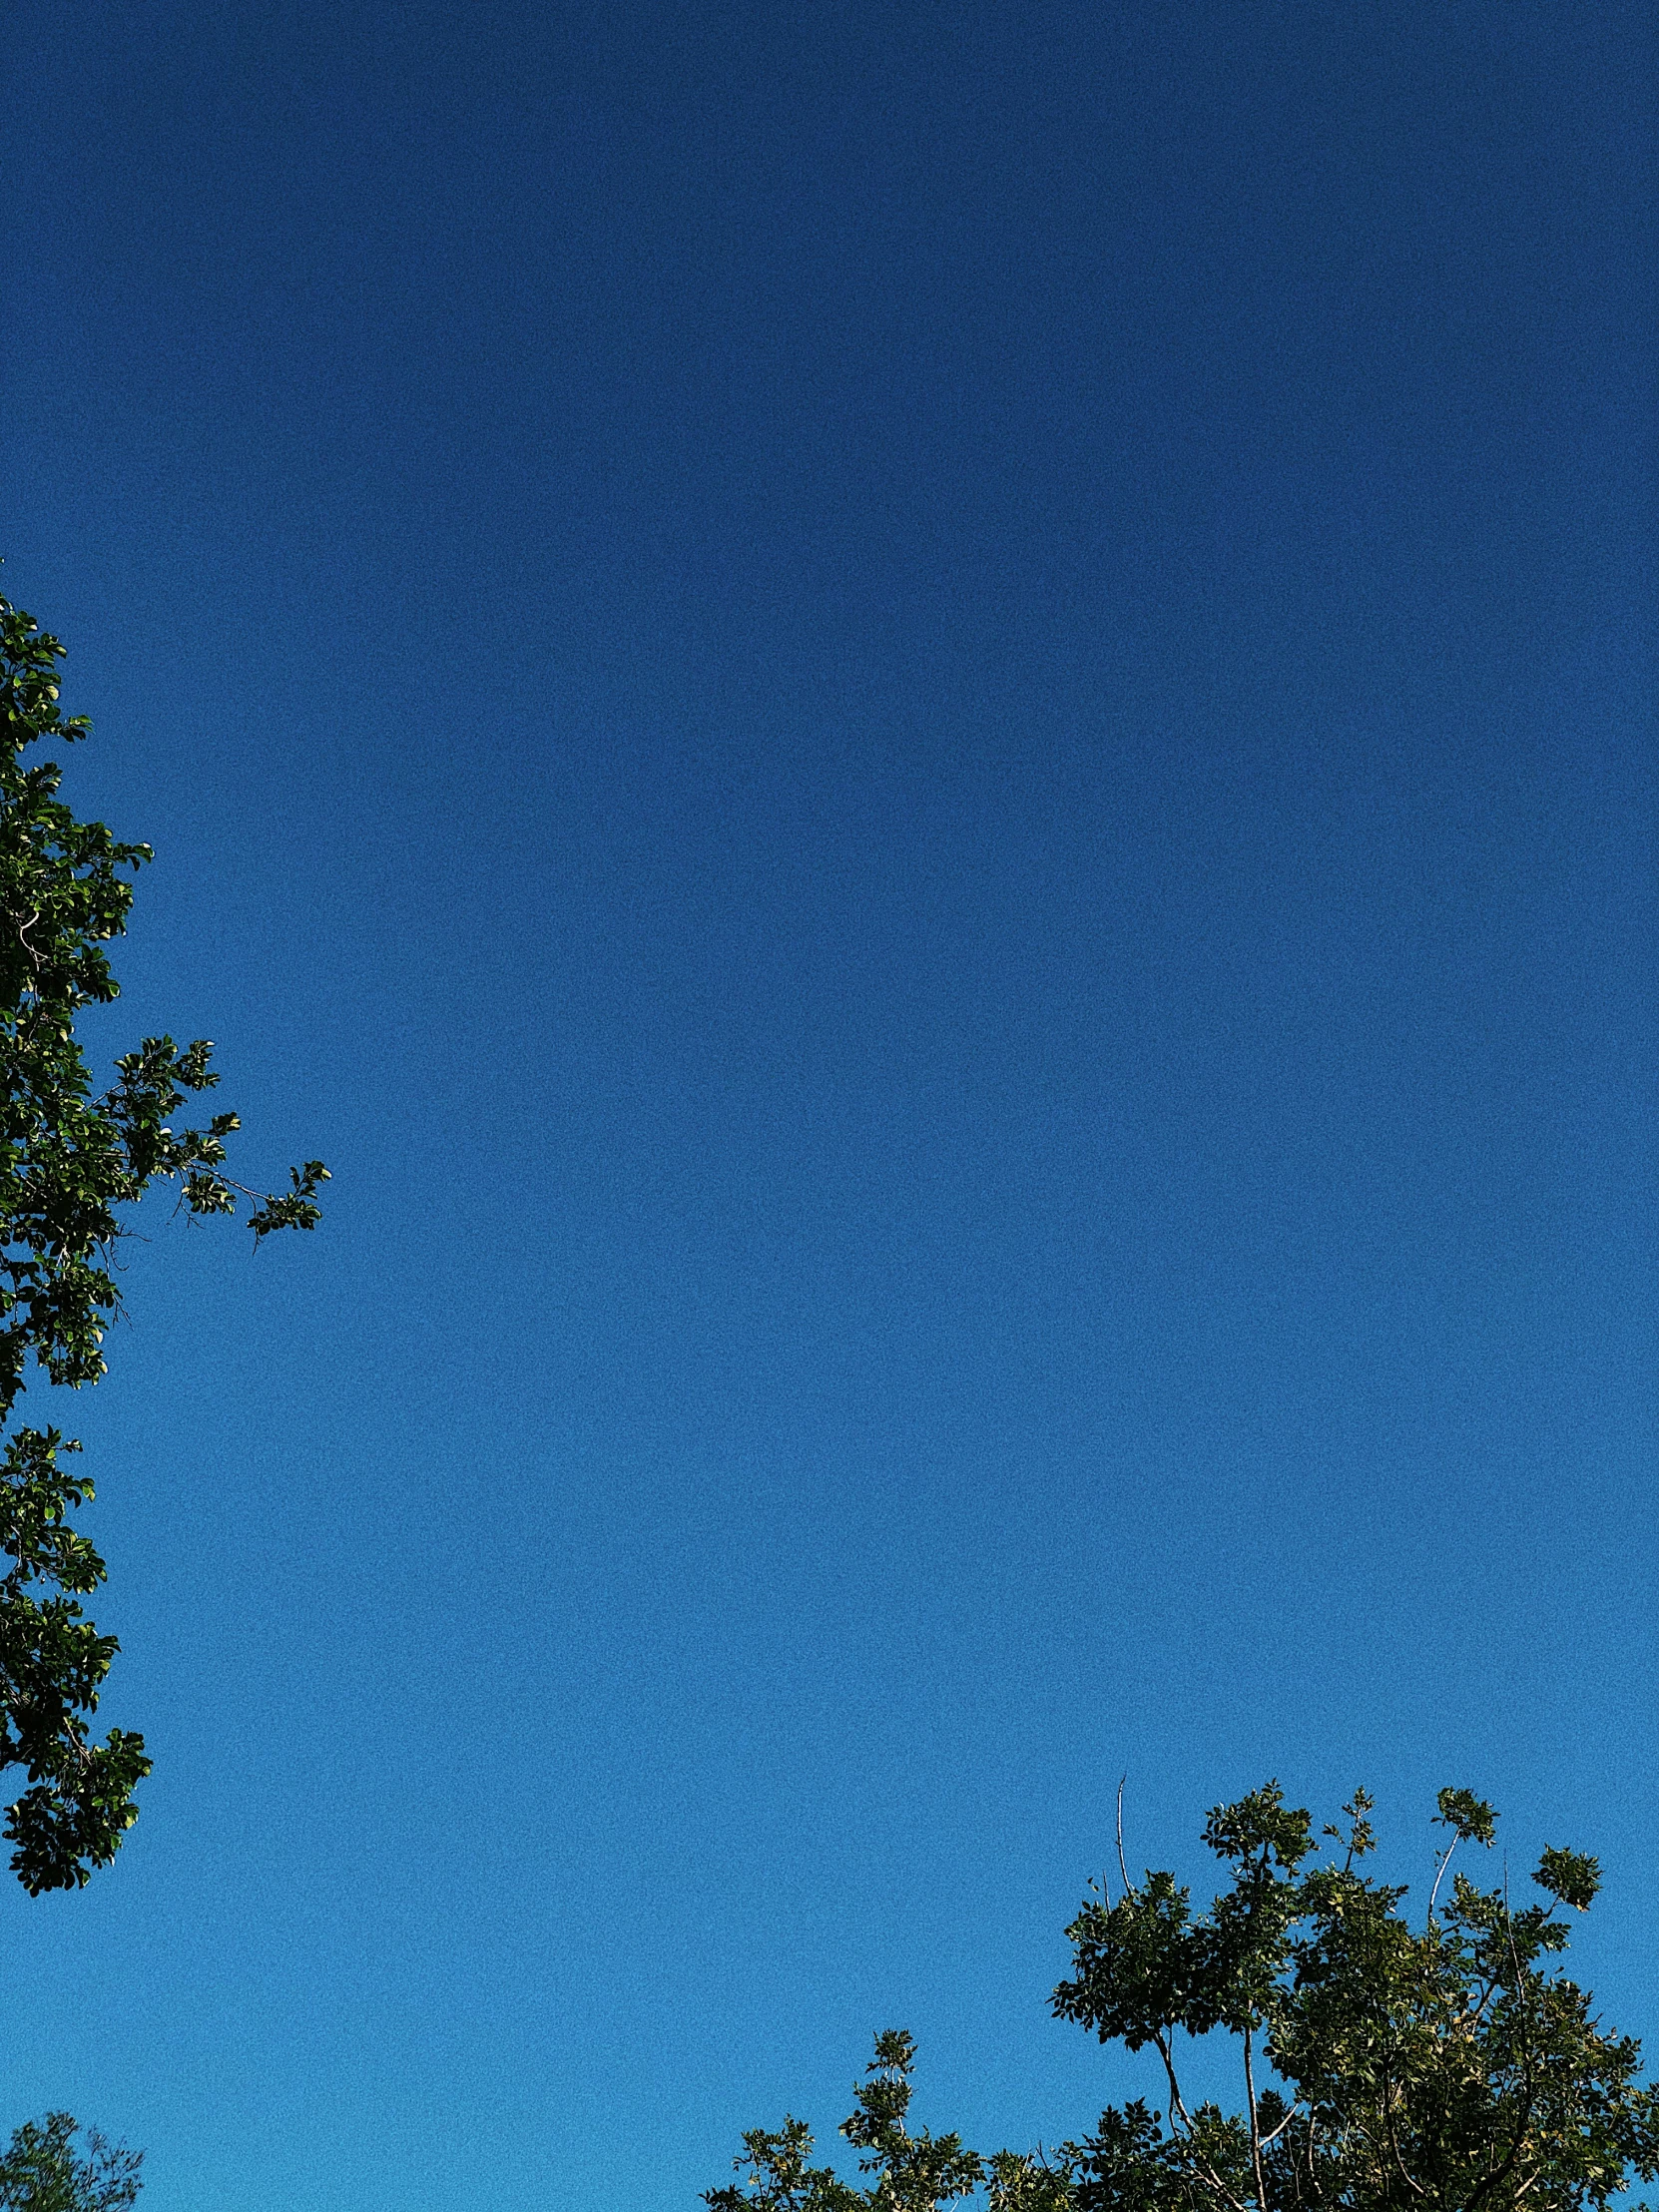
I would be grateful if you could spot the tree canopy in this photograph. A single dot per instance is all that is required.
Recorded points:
(42, 2171)
(74, 1159)
(1384, 2065)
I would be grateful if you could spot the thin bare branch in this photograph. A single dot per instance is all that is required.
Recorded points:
(1255, 2122)
(1274, 2134)
(1208, 2173)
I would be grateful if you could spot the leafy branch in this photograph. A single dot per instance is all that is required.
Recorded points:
(73, 1163)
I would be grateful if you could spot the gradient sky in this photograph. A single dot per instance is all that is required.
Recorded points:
(921, 734)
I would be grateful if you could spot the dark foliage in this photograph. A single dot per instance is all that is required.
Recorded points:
(43, 2172)
(73, 1161)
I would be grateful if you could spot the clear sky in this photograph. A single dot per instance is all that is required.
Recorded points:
(921, 734)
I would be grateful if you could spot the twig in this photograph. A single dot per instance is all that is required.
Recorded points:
(1122, 1869)
(1255, 2124)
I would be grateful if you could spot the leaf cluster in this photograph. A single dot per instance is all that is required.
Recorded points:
(909, 2172)
(74, 1160)
(42, 2171)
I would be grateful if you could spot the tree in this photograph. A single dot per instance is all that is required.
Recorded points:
(42, 2172)
(1446, 2066)
(73, 1162)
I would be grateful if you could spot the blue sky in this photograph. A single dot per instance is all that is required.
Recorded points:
(921, 735)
